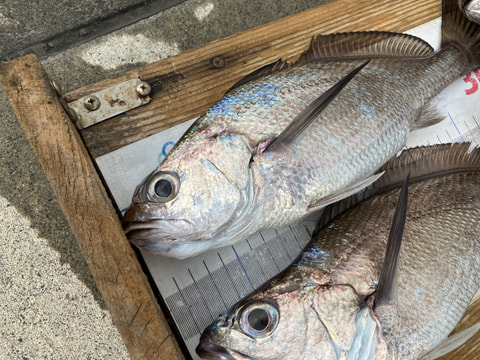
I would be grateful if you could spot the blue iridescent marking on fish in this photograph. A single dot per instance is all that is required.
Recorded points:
(367, 110)
(225, 106)
(337, 143)
(312, 255)
(419, 292)
(260, 94)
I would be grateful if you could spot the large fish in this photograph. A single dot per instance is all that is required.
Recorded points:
(342, 300)
(292, 139)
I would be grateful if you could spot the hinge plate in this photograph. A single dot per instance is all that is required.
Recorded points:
(109, 102)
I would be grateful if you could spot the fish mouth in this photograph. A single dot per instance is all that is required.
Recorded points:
(210, 351)
(154, 230)
(154, 237)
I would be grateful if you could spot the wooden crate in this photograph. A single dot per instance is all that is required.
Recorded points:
(183, 87)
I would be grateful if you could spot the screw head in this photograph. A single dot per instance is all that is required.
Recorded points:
(218, 62)
(92, 103)
(56, 87)
(143, 89)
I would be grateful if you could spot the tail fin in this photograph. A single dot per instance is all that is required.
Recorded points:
(459, 31)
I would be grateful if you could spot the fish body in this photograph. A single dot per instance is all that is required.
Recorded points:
(320, 307)
(235, 171)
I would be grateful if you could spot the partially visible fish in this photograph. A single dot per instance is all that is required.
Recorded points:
(341, 300)
(471, 9)
(290, 140)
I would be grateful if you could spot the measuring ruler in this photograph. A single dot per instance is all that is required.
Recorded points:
(198, 289)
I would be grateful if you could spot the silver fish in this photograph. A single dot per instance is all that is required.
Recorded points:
(471, 9)
(280, 146)
(342, 300)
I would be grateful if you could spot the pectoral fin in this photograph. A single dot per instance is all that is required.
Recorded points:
(451, 343)
(343, 193)
(296, 130)
(388, 282)
(367, 340)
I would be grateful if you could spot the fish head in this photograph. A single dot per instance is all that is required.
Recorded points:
(192, 200)
(327, 322)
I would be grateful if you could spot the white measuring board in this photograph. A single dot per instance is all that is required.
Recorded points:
(196, 290)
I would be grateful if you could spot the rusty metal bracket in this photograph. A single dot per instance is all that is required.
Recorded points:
(109, 102)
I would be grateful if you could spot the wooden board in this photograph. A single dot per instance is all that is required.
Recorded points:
(471, 349)
(186, 85)
(89, 211)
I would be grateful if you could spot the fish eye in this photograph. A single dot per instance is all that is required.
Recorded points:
(163, 186)
(259, 319)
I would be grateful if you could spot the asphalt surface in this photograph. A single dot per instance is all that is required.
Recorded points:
(49, 305)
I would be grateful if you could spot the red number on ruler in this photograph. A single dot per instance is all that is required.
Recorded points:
(474, 82)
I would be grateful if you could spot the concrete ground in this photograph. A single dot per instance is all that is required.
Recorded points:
(49, 305)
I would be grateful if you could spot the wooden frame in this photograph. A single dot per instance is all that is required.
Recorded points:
(183, 87)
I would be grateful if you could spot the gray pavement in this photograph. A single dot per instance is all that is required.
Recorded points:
(49, 305)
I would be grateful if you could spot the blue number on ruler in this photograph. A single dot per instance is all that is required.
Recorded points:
(165, 150)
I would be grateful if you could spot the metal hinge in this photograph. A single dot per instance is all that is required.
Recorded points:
(109, 102)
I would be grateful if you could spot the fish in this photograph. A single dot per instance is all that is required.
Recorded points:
(290, 139)
(385, 279)
(471, 9)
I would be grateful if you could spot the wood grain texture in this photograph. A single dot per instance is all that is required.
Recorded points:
(89, 211)
(186, 85)
(471, 349)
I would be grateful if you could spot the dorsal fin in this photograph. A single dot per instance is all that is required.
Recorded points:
(264, 70)
(367, 44)
(388, 282)
(351, 45)
(422, 162)
(289, 138)
(428, 161)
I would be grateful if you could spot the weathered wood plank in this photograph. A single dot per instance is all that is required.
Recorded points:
(89, 211)
(186, 85)
(471, 349)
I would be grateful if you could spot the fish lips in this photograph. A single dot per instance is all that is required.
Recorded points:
(210, 351)
(154, 231)
(167, 237)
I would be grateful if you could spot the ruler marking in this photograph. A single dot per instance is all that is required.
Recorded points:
(295, 233)
(214, 283)
(273, 259)
(201, 295)
(284, 257)
(241, 264)
(229, 276)
(186, 304)
(476, 122)
(455, 125)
